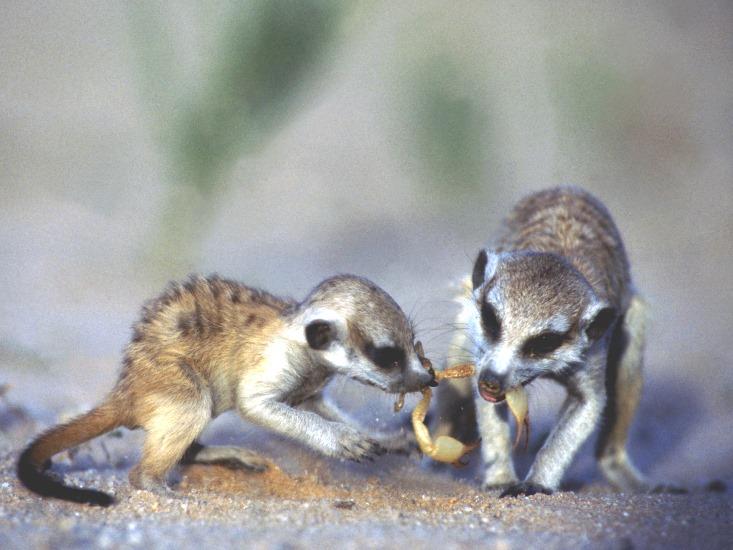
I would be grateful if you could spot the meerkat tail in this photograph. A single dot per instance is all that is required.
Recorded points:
(36, 457)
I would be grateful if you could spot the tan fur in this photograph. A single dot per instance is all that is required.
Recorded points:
(210, 345)
(198, 339)
(188, 353)
(574, 225)
(100, 420)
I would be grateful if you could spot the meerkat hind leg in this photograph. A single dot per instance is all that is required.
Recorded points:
(624, 385)
(169, 432)
(229, 456)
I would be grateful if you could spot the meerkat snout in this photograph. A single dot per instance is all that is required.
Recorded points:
(418, 376)
(491, 386)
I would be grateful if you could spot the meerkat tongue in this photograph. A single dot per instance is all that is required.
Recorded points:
(516, 399)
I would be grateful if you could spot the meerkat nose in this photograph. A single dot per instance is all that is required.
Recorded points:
(491, 386)
(424, 378)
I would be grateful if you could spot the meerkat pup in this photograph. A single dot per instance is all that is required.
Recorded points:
(210, 345)
(552, 297)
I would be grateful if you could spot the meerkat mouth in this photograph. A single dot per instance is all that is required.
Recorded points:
(490, 392)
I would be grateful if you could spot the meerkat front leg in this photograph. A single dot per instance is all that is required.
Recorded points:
(400, 442)
(495, 445)
(334, 439)
(581, 414)
(326, 409)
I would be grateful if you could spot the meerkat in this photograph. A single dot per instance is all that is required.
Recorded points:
(552, 297)
(210, 345)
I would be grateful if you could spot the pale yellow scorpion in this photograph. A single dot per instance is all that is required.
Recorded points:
(445, 448)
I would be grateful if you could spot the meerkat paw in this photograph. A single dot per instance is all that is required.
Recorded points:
(497, 486)
(499, 479)
(146, 482)
(499, 472)
(526, 488)
(354, 445)
(623, 476)
(234, 458)
(244, 459)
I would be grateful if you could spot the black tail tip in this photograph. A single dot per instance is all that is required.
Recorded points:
(103, 500)
(41, 484)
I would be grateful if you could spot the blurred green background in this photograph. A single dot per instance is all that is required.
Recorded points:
(279, 142)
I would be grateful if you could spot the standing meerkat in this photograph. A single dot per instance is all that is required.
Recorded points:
(552, 297)
(210, 345)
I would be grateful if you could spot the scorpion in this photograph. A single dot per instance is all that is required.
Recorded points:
(445, 448)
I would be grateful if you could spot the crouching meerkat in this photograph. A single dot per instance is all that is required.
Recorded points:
(210, 345)
(552, 297)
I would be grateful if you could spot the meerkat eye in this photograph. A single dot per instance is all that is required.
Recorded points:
(490, 321)
(545, 343)
(387, 357)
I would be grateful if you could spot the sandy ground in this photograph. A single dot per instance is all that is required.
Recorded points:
(305, 501)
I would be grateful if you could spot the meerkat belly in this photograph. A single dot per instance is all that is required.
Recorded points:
(222, 392)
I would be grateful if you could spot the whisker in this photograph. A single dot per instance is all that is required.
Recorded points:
(440, 331)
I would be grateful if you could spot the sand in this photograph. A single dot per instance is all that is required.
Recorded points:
(395, 502)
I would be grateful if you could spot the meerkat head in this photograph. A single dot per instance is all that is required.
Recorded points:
(355, 328)
(535, 315)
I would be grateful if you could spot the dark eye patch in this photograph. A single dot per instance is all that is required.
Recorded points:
(490, 321)
(386, 357)
(542, 344)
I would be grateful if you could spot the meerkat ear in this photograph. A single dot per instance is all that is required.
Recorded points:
(320, 334)
(484, 267)
(602, 318)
